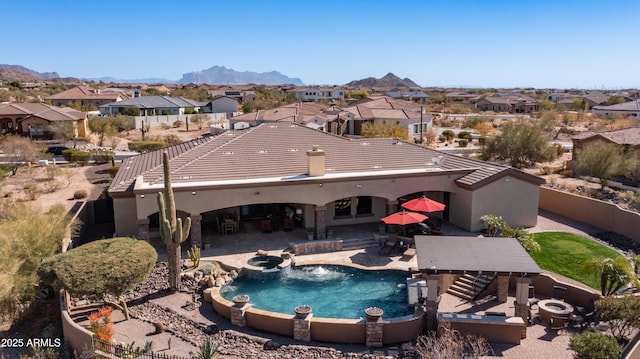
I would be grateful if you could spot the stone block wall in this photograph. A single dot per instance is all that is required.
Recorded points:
(316, 247)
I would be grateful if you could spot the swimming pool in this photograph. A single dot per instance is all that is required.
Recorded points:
(332, 291)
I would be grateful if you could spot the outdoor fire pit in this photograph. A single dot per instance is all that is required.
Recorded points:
(554, 308)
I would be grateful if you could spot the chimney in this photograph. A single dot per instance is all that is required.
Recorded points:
(315, 159)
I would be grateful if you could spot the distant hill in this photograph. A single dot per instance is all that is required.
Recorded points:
(389, 81)
(221, 75)
(152, 80)
(21, 73)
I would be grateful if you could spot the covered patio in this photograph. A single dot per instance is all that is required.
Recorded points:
(443, 260)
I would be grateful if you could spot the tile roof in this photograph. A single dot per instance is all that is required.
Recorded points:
(385, 107)
(277, 152)
(627, 136)
(627, 106)
(87, 93)
(44, 111)
(157, 102)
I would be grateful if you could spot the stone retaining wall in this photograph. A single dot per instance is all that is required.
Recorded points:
(310, 247)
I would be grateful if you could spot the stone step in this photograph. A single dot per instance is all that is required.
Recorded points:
(358, 243)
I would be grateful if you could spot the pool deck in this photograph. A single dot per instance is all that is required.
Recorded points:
(235, 249)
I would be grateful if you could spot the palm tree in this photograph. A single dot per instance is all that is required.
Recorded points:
(614, 273)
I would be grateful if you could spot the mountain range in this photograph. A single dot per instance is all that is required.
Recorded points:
(21, 73)
(388, 81)
(222, 76)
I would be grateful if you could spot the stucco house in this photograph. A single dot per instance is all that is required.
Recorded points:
(33, 119)
(88, 97)
(326, 180)
(319, 93)
(221, 104)
(384, 109)
(628, 137)
(627, 109)
(511, 103)
(153, 106)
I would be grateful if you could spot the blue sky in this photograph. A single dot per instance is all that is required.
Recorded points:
(562, 44)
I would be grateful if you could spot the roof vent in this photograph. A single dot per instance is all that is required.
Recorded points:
(365, 143)
(436, 160)
(376, 166)
(261, 151)
(185, 177)
(292, 150)
(227, 153)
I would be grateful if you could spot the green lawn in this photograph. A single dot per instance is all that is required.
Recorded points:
(565, 253)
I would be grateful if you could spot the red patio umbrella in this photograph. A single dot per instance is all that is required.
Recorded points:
(424, 204)
(403, 218)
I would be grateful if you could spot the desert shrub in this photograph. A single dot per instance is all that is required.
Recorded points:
(113, 170)
(441, 138)
(172, 139)
(146, 146)
(188, 111)
(482, 140)
(166, 112)
(52, 172)
(164, 126)
(463, 143)
(79, 194)
(448, 135)
(465, 135)
(52, 186)
(102, 156)
(590, 345)
(31, 191)
(621, 313)
(209, 268)
(566, 173)
(178, 123)
(77, 156)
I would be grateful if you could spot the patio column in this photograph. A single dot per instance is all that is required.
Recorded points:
(392, 206)
(143, 229)
(521, 303)
(503, 288)
(433, 300)
(321, 225)
(196, 231)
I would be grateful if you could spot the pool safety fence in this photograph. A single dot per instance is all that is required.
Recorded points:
(117, 350)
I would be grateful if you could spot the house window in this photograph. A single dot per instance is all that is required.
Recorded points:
(365, 205)
(342, 207)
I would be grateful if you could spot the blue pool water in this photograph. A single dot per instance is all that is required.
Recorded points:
(332, 291)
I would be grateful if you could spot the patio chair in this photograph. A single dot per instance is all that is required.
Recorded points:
(532, 297)
(559, 323)
(559, 292)
(533, 316)
(390, 246)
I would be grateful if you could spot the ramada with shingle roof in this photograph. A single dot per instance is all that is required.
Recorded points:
(271, 163)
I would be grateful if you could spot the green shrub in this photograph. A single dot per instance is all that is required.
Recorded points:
(113, 170)
(465, 135)
(448, 135)
(78, 156)
(589, 345)
(146, 146)
(188, 111)
(463, 143)
(482, 140)
(209, 268)
(102, 156)
(172, 139)
(166, 113)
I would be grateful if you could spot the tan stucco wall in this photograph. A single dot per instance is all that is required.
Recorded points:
(513, 199)
(604, 215)
(199, 200)
(124, 215)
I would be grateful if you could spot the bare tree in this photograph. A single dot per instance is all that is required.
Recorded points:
(449, 343)
(19, 149)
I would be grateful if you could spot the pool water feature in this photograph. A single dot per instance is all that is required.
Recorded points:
(266, 267)
(332, 291)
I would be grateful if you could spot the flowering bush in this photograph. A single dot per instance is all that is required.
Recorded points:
(101, 324)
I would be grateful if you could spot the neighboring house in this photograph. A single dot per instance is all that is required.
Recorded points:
(238, 95)
(384, 109)
(324, 118)
(416, 96)
(327, 180)
(33, 119)
(459, 96)
(319, 93)
(87, 97)
(221, 104)
(594, 98)
(628, 137)
(153, 106)
(511, 103)
(627, 109)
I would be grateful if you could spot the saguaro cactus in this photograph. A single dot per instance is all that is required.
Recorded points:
(172, 230)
